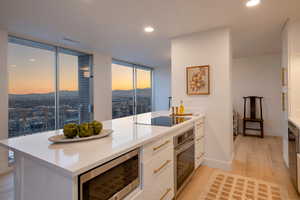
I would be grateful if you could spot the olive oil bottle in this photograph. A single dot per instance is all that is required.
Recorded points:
(181, 108)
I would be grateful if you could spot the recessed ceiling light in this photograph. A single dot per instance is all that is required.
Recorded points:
(148, 29)
(252, 3)
(32, 60)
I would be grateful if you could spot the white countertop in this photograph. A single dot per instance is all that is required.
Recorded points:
(295, 121)
(75, 158)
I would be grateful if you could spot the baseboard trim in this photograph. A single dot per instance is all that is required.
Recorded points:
(219, 164)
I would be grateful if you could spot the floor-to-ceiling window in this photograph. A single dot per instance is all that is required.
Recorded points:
(143, 90)
(74, 94)
(48, 87)
(131, 89)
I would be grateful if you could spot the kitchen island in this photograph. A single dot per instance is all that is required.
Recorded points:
(48, 171)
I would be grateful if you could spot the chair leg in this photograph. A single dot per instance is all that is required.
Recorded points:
(244, 127)
(262, 129)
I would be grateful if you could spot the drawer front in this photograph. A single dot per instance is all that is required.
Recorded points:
(199, 160)
(199, 128)
(153, 149)
(159, 183)
(199, 151)
(199, 145)
(158, 165)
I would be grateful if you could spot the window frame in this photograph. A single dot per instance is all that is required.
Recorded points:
(57, 50)
(134, 67)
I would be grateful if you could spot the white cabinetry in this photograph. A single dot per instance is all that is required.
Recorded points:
(158, 170)
(199, 142)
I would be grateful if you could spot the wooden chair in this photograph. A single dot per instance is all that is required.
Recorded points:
(253, 118)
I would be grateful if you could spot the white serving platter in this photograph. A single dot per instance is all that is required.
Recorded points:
(62, 139)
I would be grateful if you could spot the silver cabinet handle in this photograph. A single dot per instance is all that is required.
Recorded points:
(160, 146)
(165, 194)
(161, 167)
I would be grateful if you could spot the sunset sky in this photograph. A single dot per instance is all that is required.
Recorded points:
(122, 78)
(31, 70)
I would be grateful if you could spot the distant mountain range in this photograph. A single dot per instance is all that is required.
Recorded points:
(115, 93)
(128, 93)
(43, 95)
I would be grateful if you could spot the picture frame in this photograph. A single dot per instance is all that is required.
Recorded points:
(198, 80)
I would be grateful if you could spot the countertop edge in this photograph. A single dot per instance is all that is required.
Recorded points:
(76, 172)
(295, 121)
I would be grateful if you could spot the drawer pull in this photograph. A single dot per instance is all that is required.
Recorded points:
(161, 167)
(165, 194)
(160, 146)
(200, 138)
(202, 154)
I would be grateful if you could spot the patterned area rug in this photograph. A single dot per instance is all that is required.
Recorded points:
(225, 186)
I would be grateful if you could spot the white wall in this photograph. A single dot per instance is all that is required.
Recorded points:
(260, 76)
(102, 87)
(3, 99)
(162, 87)
(208, 48)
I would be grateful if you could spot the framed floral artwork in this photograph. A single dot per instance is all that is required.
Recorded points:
(197, 80)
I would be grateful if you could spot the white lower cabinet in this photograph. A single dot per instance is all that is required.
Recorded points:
(199, 152)
(158, 165)
(158, 171)
(199, 142)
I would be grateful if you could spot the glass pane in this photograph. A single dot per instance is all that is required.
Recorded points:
(74, 88)
(112, 181)
(122, 91)
(143, 91)
(185, 165)
(31, 89)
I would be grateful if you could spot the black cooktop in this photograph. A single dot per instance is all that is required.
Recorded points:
(167, 121)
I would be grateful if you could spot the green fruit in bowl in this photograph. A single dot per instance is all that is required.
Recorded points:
(85, 130)
(71, 130)
(96, 126)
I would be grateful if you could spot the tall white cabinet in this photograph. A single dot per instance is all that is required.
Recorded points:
(290, 63)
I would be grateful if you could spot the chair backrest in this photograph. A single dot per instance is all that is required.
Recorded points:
(253, 100)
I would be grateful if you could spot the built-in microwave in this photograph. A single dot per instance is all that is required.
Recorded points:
(113, 180)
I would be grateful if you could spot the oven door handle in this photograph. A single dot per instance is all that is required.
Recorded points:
(184, 147)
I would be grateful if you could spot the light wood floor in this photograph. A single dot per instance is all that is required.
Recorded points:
(254, 157)
(6, 187)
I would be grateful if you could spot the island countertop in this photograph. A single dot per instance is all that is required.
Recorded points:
(76, 158)
(295, 121)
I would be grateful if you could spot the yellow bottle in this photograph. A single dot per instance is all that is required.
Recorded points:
(181, 108)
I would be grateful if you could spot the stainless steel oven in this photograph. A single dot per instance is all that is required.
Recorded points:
(184, 150)
(113, 180)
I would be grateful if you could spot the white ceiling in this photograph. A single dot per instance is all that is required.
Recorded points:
(116, 26)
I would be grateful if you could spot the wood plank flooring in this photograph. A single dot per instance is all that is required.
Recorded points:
(254, 157)
(6, 187)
